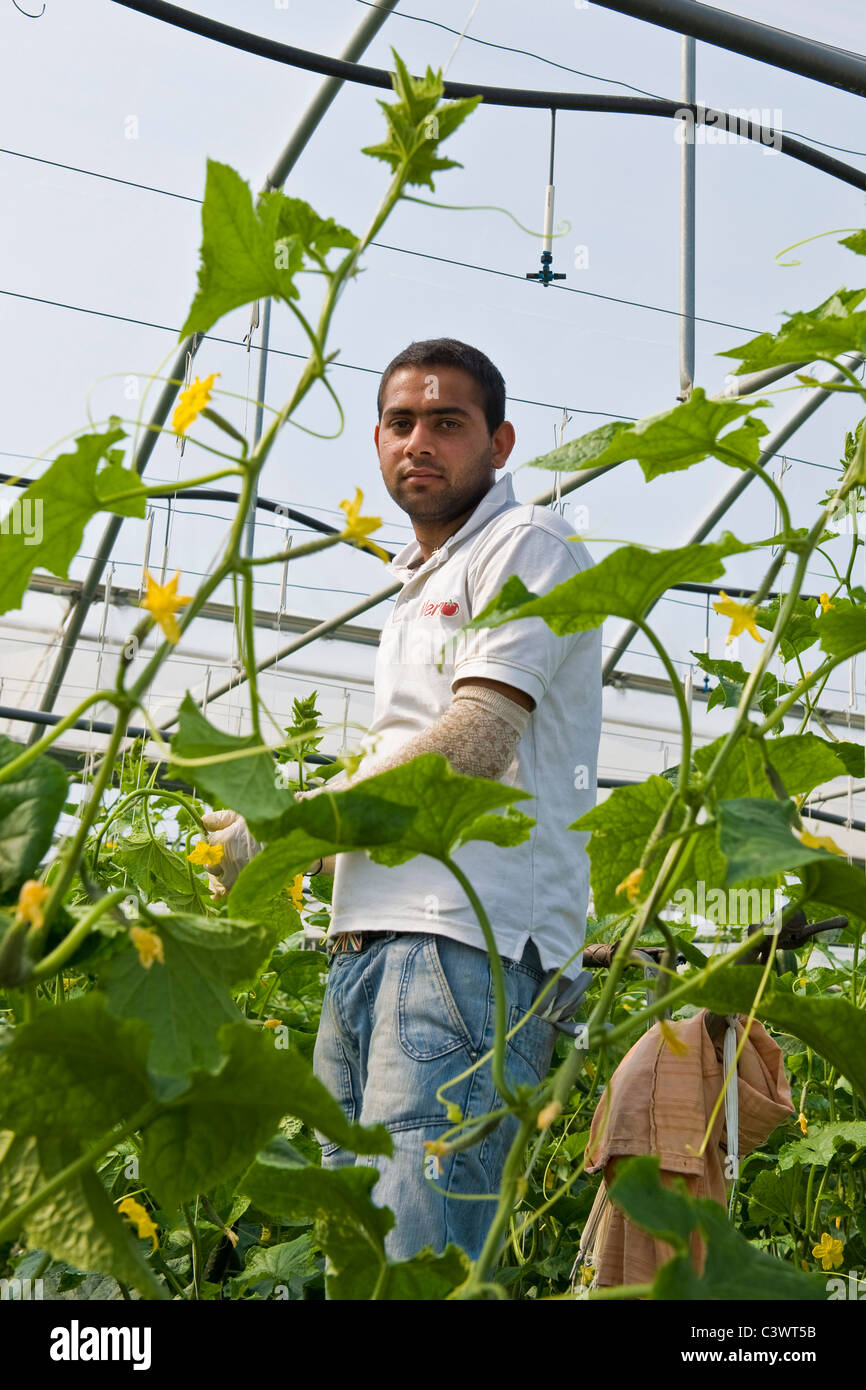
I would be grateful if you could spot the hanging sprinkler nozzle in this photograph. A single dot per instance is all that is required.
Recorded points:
(546, 273)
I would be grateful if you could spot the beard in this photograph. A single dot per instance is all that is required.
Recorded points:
(444, 501)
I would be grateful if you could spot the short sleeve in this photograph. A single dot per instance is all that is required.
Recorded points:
(525, 653)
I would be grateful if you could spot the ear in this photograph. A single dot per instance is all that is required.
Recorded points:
(503, 442)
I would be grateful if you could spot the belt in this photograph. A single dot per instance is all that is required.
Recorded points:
(349, 941)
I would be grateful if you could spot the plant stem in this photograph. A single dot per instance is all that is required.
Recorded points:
(72, 855)
(498, 974)
(56, 959)
(15, 1220)
(11, 769)
(508, 1193)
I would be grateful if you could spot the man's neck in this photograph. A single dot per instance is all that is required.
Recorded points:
(432, 536)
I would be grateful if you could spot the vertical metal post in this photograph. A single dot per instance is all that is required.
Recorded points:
(687, 226)
(148, 536)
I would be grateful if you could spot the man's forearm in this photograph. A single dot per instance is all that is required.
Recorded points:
(478, 734)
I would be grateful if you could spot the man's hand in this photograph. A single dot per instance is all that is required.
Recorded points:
(228, 829)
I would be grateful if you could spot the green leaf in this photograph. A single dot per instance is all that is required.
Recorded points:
(773, 1196)
(833, 881)
(805, 761)
(302, 734)
(73, 1072)
(245, 255)
(300, 972)
(801, 629)
(823, 332)
(186, 1000)
(734, 1268)
(417, 123)
(842, 628)
(159, 873)
(732, 677)
(246, 784)
(79, 1224)
(822, 1143)
(292, 217)
(832, 1027)
(755, 837)
(290, 1266)
(621, 826)
(852, 756)
(856, 242)
(800, 761)
(30, 803)
(667, 442)
(216, 1128)
(54, 511)
(509, 829)
(420, 807)
(625, 584)
(452, 809)
(350, 1228)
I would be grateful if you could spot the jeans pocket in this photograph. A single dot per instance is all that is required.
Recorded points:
(533, 1043)
(429, 1022)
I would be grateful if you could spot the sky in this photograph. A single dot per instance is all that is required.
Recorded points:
(102, 89)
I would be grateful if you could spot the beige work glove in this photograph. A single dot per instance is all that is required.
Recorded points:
(228, 829)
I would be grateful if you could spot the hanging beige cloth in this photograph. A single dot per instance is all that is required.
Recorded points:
(659, 1101)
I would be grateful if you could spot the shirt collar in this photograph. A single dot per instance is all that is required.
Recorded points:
(499, 496)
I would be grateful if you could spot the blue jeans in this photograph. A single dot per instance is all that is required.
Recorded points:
(400, 1017)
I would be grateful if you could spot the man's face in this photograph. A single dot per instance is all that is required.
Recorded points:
(435, 453)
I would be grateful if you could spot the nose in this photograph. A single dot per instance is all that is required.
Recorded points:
(418, 443)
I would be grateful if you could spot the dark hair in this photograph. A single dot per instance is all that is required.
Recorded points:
(450, 352)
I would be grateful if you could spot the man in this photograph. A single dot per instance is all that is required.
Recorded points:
(409, 1003)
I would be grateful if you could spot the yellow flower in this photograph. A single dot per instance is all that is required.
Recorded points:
(140, 1218)
(631, 885)
(742, 616)
(548, 1114)
(296, 891)
(191, 403)
(206, 855)
(148, 945)
(828, 1251)
(359, 527)
(437, 1147)
(110, 844)
(30, 900)
(803, 1123)
(838, 1222)
(819, 842)
(163, 601)
(824, 600)
(271, 1023)
(587, 1274)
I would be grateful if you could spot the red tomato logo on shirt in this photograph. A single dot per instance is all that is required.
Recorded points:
(449, 607)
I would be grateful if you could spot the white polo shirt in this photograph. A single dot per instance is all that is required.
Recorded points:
(538, 889)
